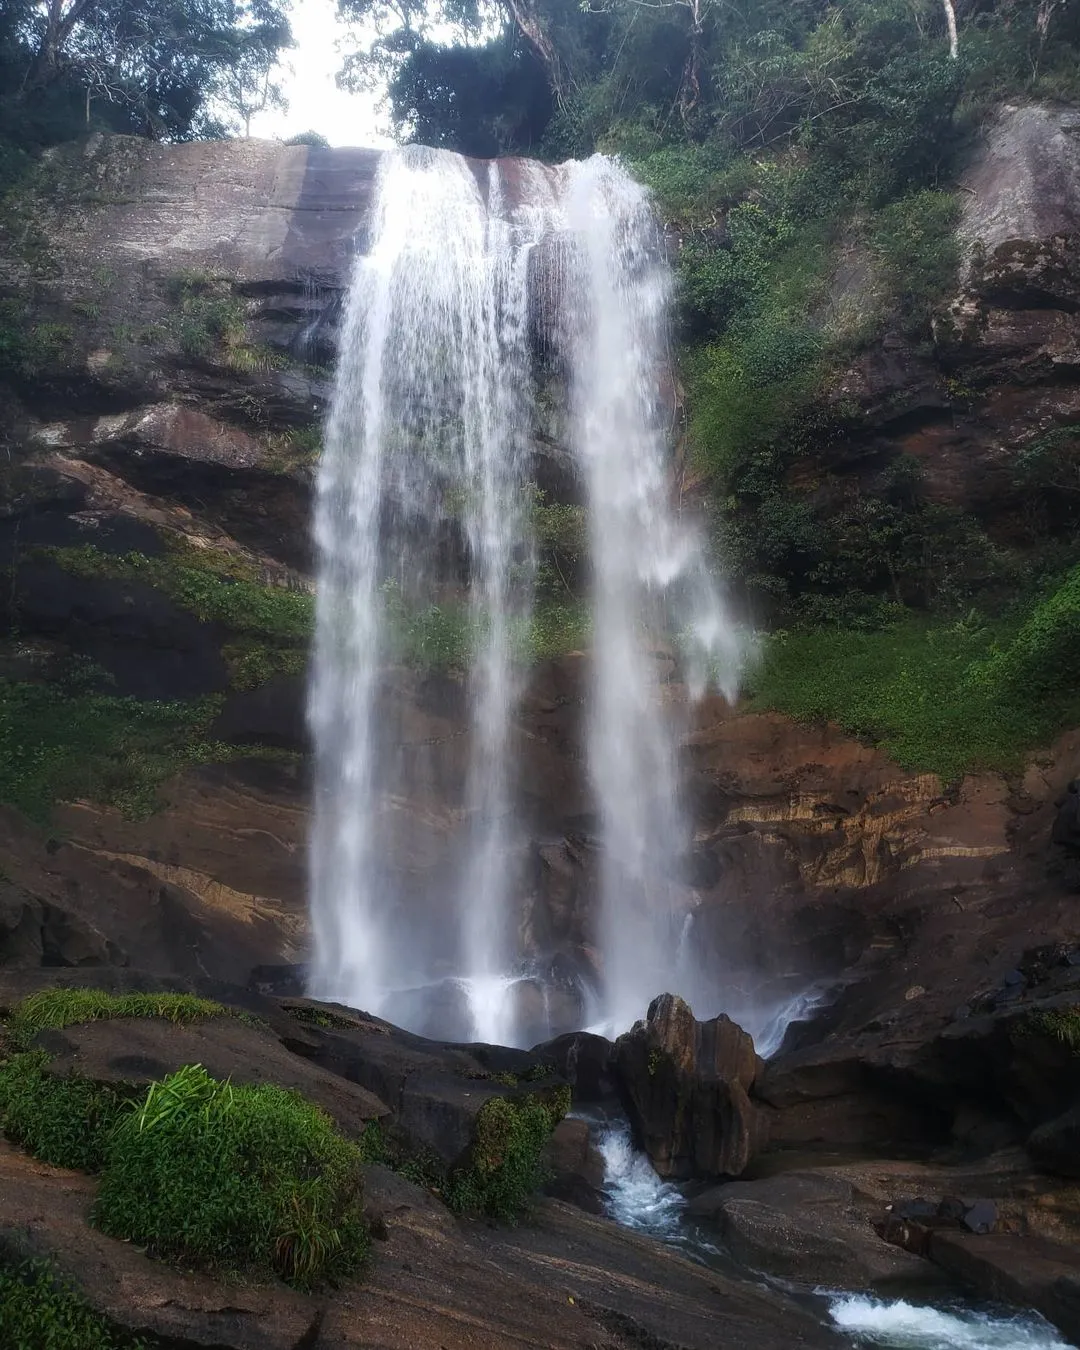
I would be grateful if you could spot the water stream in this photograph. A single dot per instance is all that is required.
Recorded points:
(425, 536)
(637, 1198)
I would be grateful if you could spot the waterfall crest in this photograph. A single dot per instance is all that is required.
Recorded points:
(473, 275)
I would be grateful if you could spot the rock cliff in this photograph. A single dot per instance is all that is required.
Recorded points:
(170, 324)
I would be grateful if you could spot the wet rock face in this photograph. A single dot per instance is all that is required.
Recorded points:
(134, 431)
(687, 1085)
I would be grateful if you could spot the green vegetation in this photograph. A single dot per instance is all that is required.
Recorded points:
(506, 1161)
(247, 1178)
(441, 636)
(1060, 1024)
(947, 696)
(153, 68)
(70, 738)
(215, 586)
(65, 1121)
(54, 1009)
(241, 1177)
(272, 624)
(209, 321)
(560, 530)
(298, 448)
(30, 349)
(63, 744)
(804, 158)
(505, 1167)
(39, 1311)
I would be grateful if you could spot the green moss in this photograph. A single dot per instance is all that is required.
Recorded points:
(320, 1017)
(943, 696)
(298, 448)
(54, 1009)
(31, 349)
(39, 1311)
(249, 1178)
(443, 636)
(215, 586)
(65, 1121)
(251, 662)
(506, 1161)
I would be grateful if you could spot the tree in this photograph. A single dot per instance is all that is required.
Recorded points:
(247, 86)
(160, 64)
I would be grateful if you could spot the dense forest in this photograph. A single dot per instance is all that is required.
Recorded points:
(805, 159)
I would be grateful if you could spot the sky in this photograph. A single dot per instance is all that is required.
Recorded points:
(307, 77)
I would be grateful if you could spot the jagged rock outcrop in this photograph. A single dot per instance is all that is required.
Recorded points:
(687, 1086)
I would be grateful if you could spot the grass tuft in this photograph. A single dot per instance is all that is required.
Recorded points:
(1060, 1024)
(250, 1178)
(54, 1009)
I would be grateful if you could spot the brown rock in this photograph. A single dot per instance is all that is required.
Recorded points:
(687, 1086)
(576, 1165)
(806, 1226)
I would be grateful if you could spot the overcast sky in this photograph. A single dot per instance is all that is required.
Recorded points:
(315, 102)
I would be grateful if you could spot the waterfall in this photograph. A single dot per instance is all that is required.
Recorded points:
(423, 520)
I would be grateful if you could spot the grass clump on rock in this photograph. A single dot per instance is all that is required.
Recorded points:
(506, 1165)
(251, 1178)
(39, 1312)
(63, 1120)
(54, 1009)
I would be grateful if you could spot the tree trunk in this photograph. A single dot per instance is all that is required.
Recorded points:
(533, 31)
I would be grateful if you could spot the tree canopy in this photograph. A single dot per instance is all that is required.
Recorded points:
(749, 73)
(167, 69)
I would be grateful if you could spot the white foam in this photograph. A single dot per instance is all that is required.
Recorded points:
(900, 1325)
(636, 1196)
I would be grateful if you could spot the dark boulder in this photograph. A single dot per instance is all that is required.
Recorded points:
(1055, 1146)
(687, 1087)
(577, 1169)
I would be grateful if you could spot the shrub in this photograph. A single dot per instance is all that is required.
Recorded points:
(506, 1163)
(1043, 656)
(38, 1311)
(915, 241)
(54, 1009)
(246, 1177)
(65, 1121)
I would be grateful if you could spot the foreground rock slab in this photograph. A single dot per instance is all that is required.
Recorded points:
(562, 1281)
(1032, 1271)
(808, 1226)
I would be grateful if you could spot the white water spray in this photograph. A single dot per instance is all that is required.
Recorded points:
(900, 1325)
(422, 500)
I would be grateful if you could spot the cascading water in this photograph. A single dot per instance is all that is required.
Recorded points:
(421, 501)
